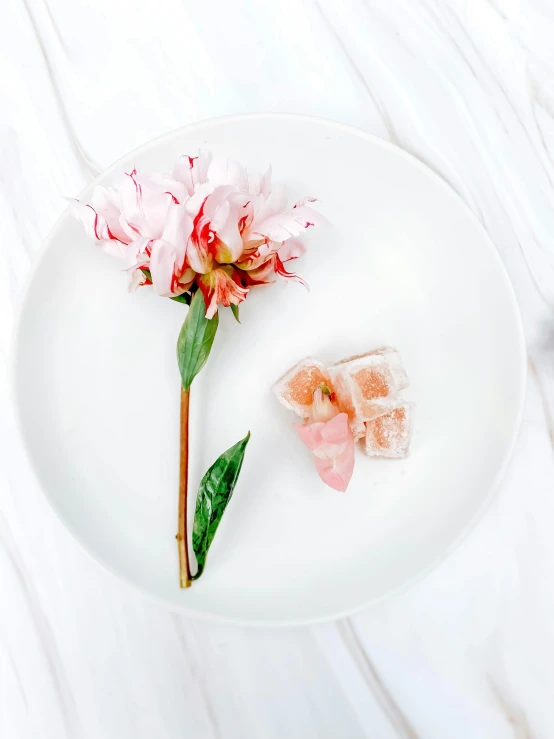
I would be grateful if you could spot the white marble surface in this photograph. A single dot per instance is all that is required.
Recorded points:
(467, 86)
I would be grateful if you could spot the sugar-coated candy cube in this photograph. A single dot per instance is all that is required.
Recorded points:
(296, 388)
(389, 435)
(367, 385)
(343, 393)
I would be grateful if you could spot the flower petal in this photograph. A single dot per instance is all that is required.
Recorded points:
(177, 230)
(138, 253)
(332, 446)
(192, 171)
(105, 200)
(256, 253)
(168, 278)
(228, 172)
(221, 286)
(162, 267)
(282, 226)
(198, 254)
(280, 270)
(323, 408)
(261, 275)
(337, 430)
(304, 201)
(96, 228)
(227, 245)
(215, 231)
(310, 433)
(160, 184)
(136, 279)
(292, 249)
(260, 184)
(336, 474)
(269, 203)
(144, 205)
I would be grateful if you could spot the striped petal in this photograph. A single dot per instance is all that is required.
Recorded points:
(221, 285)
(96, 228)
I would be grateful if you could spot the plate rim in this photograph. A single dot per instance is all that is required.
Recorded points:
(279, 622)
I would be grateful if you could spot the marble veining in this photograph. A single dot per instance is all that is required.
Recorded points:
(467, 87)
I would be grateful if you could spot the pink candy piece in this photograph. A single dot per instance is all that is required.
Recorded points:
(389, 435)
(357, 398)
(295, 390)
(368, 385)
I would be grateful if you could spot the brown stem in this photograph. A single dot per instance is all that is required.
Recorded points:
(182, 535)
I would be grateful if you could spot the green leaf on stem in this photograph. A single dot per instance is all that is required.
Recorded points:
(235, 310)
(195, 340)
(215, 492)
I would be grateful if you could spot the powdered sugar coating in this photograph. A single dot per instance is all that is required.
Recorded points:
(296, 388)
(343, 391)
(368, 385)
(389, 435)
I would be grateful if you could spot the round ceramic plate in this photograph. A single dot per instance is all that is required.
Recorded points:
(405, 263)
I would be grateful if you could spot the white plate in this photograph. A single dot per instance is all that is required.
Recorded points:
(406, 264)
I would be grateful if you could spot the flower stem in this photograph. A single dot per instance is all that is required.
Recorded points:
(182, 535)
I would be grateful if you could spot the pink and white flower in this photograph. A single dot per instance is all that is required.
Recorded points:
(329, 438)
(209, 224)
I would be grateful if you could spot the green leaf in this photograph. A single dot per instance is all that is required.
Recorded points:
(235, 310)
(214, 493)
(195, 340)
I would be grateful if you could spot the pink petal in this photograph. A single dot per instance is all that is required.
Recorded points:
(272, 202)
(292, 249)
(129, 204)
(304, 201)
(332, 446)
(228, 172)
(282, 226)
(144, 205)
(215, 233)
(258, 257)
(259, 184)
(222, 211)
(309, 433)
(162, 267)
(96, 229)
(228, 245)
(280, 270)
(168, 277)
(192, 171)
(105, 201)
(136, 279)
(337, 430)
(264, 206)
(261, 275)
(220, 286)
(198, 254)
(336, 474)
(177, 230)
(94, 225)
(265, 184)
(160, 184)
(322, 408)
(138, 252)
